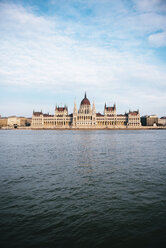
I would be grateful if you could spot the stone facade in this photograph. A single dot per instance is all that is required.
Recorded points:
(86, 117)
(15, 122)
(162, 121)
(149, 120)
(3, 122)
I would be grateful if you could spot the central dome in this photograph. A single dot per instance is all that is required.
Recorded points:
(85, 101)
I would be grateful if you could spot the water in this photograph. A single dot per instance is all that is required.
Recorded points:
(82, 189)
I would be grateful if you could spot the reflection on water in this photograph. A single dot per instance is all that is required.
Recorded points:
(82, 188)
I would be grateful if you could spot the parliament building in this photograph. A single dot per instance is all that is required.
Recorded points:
(86, 117)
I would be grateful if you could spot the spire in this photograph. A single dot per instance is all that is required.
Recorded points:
(93, 108)
(75, 108)
(65, 107)
(105, 106)
(85, 95)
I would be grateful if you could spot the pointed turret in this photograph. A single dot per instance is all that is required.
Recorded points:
(93, 108)
(75, 108)
(66, 107)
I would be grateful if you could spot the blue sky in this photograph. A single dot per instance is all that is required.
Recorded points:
(52, 51)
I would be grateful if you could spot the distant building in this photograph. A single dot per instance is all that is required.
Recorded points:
(133, 119)
(15, 122)
(149, 120)
(3, 122)
(86, 117)
(162, 121)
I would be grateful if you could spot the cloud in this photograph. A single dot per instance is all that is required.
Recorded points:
(150, 6)
(158, 40)
(105, 58)
(151, 19)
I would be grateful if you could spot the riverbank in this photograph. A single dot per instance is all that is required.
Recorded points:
(83, 129)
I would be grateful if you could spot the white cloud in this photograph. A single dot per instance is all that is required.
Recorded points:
(150, 5)
(158, 39)
(41, 52)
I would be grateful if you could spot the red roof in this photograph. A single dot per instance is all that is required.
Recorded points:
(109, 108)
(37, 113)
(98, 114)
(133, 113)
(61, 108)
(47, 115)
(85, 101)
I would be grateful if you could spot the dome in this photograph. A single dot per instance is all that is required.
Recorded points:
(85, 101)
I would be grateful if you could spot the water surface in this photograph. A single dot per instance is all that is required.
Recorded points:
(82, 188)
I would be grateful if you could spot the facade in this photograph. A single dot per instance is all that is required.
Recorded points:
(86, 117)
(15, 122)
(3, 122)
(149, 120)
(162, 121)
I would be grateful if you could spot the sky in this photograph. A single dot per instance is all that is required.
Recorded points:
(52, 51)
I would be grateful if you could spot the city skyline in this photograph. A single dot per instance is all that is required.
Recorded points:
(52, 52)
(86, 116)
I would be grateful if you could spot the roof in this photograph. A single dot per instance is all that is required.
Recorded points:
(99, 114)
(85, 101)
(109, 108)
(37, 113)
(47, 115)
(133, 113)
(61, 109)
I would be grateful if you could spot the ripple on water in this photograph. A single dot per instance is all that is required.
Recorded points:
(82, 189)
